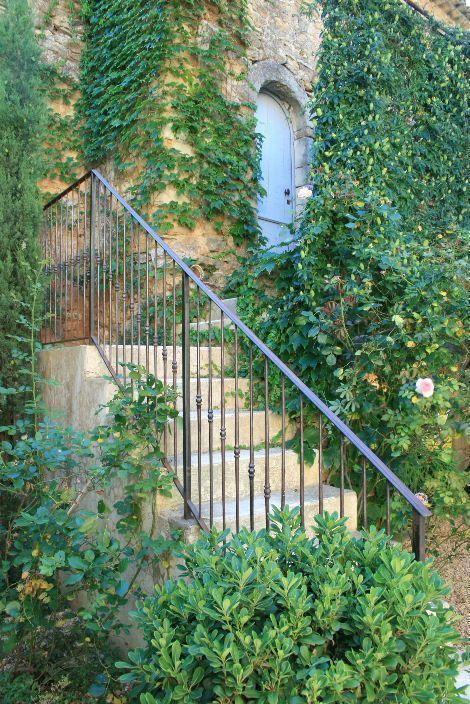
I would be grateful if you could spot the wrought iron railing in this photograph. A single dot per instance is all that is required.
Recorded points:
(113, 280)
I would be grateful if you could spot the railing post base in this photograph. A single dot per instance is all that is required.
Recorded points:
(419, 536)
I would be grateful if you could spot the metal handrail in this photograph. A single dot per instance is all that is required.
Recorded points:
(365, 451)
(96, 291)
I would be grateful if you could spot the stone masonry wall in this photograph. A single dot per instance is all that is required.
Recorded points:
(284, 35)
(282, 55)
(281, 36)
(60, 34)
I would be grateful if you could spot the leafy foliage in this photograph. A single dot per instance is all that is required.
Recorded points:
(71, 558)
(63, 153)
(152, 78)
(282, 617)
(22, 117)
(373, 297)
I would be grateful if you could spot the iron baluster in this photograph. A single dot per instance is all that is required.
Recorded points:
(223, 430)
(147, 313)
(267, 479)
(364, 494)
(210, 420)
(165, 357)
(85, 266)
(251, 466)
(186, 397)
(104, 269)
(174, 369)
(131, 296)
(117, 290)
(72, 265)
(199, 402)
(124, 298)
(342, 460)
(56, 269)
(67, 271)
(155, 308)
(110, 280)
(98, 264)
(236, 449)
(320, 465)
(387, 519)
(283, 443)
(419, 536)
(302, 464)
(139, 300)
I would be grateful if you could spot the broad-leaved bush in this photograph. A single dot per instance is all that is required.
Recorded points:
(283, 618)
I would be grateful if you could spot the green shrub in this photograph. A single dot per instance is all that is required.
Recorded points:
(374, 296)
(282, 617)
(22, 120)
(70, 556)
(17, 690)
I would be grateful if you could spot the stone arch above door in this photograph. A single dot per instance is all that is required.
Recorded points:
(277, 80)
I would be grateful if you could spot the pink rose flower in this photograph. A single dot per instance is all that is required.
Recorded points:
(423, 498)
(425, 387)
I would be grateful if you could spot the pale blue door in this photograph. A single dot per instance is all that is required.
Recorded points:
(276, 208)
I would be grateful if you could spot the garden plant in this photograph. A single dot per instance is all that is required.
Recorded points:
(372, 302)
(283, 618)
(368, 305)
(72, 557)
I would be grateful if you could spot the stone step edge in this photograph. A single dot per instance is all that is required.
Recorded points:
(259, 453)
(292, 500)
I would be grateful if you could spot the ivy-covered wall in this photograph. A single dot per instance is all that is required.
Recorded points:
(59, 29)
(199, 188)
(275, 32)
(371, 307)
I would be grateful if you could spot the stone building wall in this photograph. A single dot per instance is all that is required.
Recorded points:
(282, 55)
(451, 12)
(60, 33)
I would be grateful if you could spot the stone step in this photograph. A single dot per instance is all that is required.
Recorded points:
(331, 503)
(275, 427)
(204, 327)
(231, 304)
(229, 393)
(216, 322)
(292, 473)
(137, 355)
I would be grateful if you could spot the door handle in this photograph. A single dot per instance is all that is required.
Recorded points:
(287, 194)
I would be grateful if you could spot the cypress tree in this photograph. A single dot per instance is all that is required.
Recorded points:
(22, 131)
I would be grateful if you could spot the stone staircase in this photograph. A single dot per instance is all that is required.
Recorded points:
(83, 389)
(112, 280)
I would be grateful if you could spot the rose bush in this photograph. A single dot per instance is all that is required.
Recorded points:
(371, 305)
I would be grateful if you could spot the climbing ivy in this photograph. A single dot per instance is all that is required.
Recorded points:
(156, 81)
(373, 296)
(63, 150)
(63, 155)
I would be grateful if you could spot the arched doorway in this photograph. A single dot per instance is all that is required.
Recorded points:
(276, 208)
